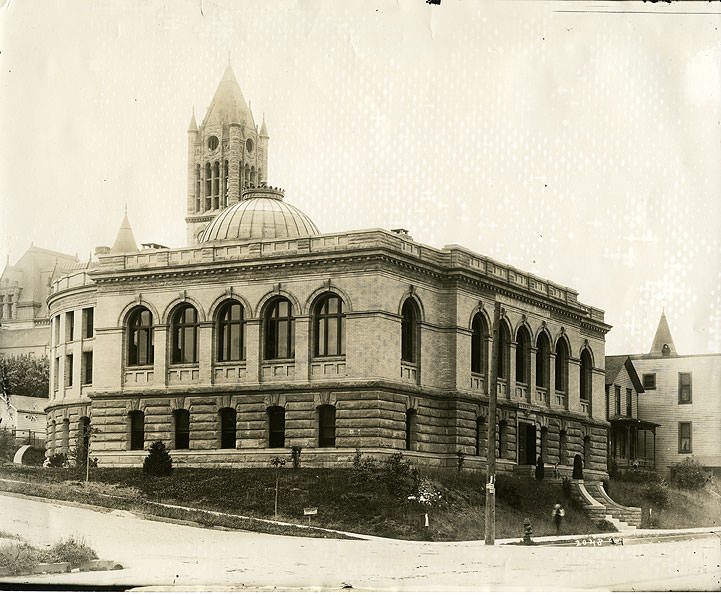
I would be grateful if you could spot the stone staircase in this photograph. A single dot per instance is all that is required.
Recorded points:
(599, 506)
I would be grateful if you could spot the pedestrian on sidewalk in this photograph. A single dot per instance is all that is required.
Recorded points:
(558, 514)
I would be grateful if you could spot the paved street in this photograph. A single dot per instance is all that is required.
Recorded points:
(157, 553)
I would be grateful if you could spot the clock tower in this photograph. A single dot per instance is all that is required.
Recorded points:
(226, 153)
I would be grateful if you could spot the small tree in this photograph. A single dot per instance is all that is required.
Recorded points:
(577, 467)
(277, 462)
(158, 462)
(24, 375)
(689, 474)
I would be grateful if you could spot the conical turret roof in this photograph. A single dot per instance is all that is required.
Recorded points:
(193, 126)
(263, 128)
(228, 104)
(125, 240)
(663, 342)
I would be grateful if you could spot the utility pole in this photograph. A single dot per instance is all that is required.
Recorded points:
(490, 525)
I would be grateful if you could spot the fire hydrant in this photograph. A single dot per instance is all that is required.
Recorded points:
(527, 532)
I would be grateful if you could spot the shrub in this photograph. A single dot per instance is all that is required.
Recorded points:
(643, 477)
(34, 457)
(73, 550)
(577, 467)
(20, 557)
(689, 474)
(364, 468)
(656, 494)
(158, 462)
(606, 526)
(59, 459)
(295, 455)
(508, 490)
(399, 476)
(539, 468)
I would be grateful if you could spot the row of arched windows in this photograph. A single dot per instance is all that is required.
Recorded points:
(278, 332)
(479, 357)
(228, 433)
(215, 193)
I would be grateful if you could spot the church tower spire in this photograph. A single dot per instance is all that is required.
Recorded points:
(662, 341)
(225, 154)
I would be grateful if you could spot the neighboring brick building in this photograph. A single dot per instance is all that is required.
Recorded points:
(681, 393)
(265, 334)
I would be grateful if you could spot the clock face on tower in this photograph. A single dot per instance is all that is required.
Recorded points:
(213, 143)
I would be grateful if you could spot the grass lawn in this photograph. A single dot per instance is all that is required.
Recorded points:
(371, 499)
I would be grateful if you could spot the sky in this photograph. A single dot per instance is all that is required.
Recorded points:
(578, 141)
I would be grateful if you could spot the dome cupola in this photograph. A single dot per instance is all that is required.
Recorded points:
(261, 214)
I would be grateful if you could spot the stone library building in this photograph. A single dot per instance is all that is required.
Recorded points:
(265, 333)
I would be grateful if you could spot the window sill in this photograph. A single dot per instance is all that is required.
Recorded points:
(140, 367)
(235, 362)
(290, 360)
(328, 358)
(182, 366)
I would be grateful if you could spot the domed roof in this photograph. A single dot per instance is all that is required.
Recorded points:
(260, 215)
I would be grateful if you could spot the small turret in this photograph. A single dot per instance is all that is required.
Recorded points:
(193, 126)
(125, 240)
(263, 128)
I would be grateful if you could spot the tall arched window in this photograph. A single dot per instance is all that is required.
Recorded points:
(246, 177)
(409, 331)
(184, 333)
(504, 350)
(228, 418)
(276, 427)
(586, 376)
(411, 429)
(329, 326)
(523, 355)
(137, 430)
(326, 426)
(208, 186)
(561, 365)
(542, 360)
(216, 185)
(230, 328)
(140, 337)
(225, 183)
(562, 447)
(279, 330)
(197, 188)
(479, 353)
(480, 435)
(182, 429)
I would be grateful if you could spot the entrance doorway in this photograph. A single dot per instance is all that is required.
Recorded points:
(526, 444)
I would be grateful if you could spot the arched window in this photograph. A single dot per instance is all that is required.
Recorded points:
(140, 337)
(279, 330)
(542, 360)
(276, 427)
(562, 447)
(329, 326)
(252, 176)
(480, 435)
(479, 353)
(230, 332)
(561, 365)
(182, 429)
(184, 333)
(228, 417)
(504, 350)
(411, 429)
(137, 430)
(216, 184)
(208, 186)
(409, 331)
(523, 355)
(197, 188)
(225, 183)
(586, 452)
(326, 426)
(501, 439)
(586, 376)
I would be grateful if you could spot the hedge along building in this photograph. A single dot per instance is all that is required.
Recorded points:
(266, 334)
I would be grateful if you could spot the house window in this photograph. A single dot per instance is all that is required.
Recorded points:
(684, 437)
(617, 394)
(184, 332)
(479, 356)
(231, 335)
(410, 429)
(561, 366)
(409, 332)
(228, 418)
(182, 429)
(684, 387)
(276, 427)
(87, 365)
(329, 326)
(88, 323)
(69, 370)
(629, 402)
(523, 353)
(140, 338)
(279, 330)
(137, 430)
(649, 382)
(69, 324)
(326, 426)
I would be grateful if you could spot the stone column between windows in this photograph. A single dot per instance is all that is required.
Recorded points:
(253, 350)
(160, 355)
(574, 388)
(511, 372)
(302, 347)
(551, 378)
(532, 374)
(206, 350)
